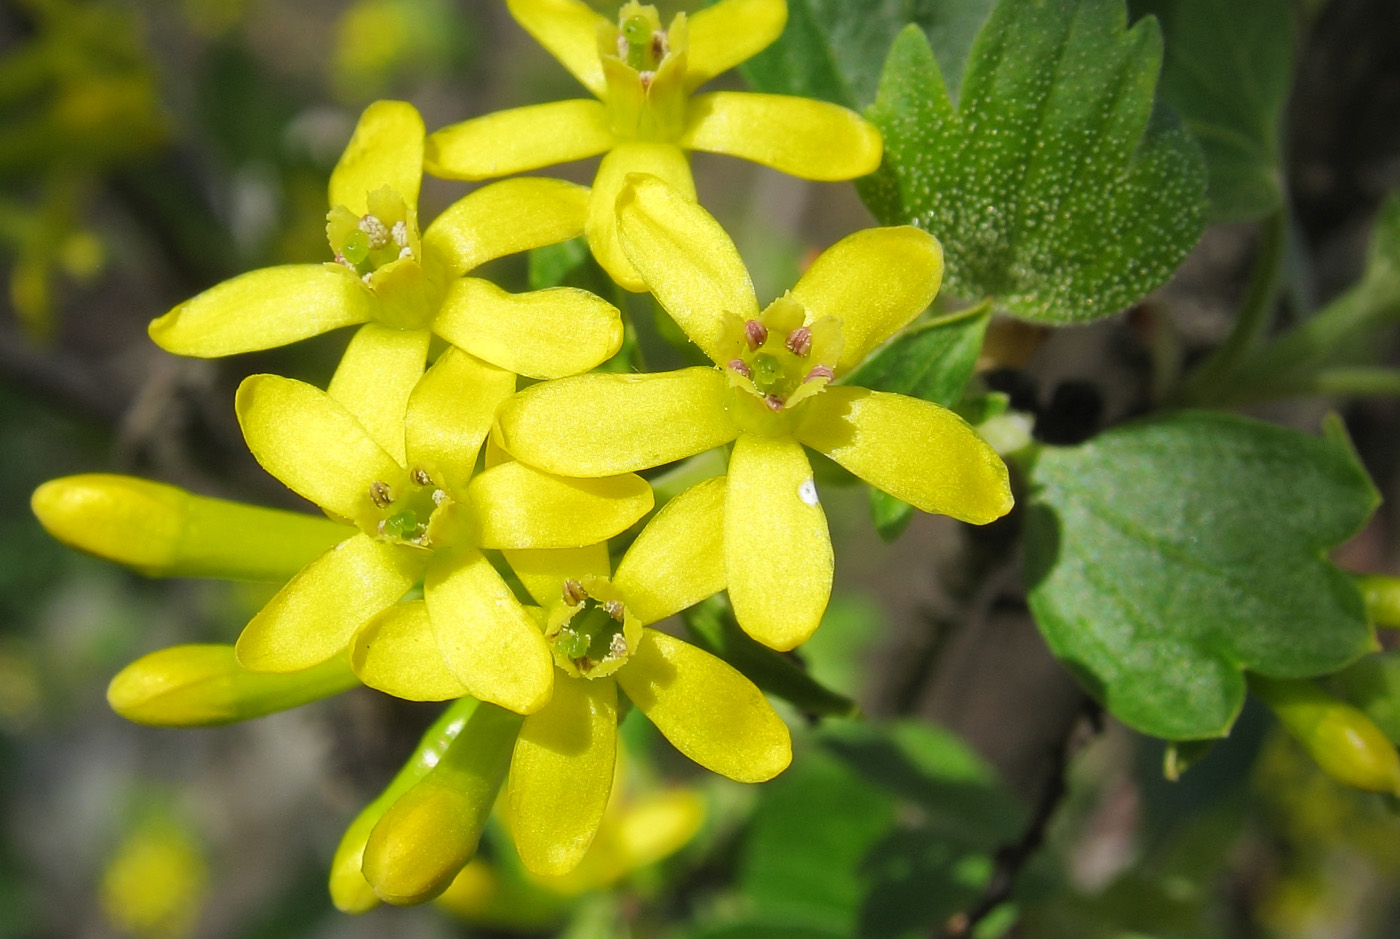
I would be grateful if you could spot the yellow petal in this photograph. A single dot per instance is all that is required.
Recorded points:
(777, 551)
(200, 685)
(350, 891)
(449, 415)
(604, 424)
(875, 282)
(518, 506)
(541, 334)
(314, 616)
(385, 150)
(426, 837)
(727, 33)
(543, 572)
(806, 138)
(569, 30)
(493, 646)
(678, 559)
(561, 774)
(163, 531)
(665, 161)
(504, 218)
(914, 450)
(263, 309)
(686, 259)
(396, 653)
(519, 140)
(311, 443)
(708, 711)
(376, 376)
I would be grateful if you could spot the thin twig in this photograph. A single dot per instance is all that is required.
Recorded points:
(1011, 858)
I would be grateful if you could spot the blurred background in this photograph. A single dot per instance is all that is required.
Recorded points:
(151, 148)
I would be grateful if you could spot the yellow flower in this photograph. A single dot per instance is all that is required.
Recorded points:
(561, 764)
(155, 885)
(647, 117)
(771, 395)
(424, 519)
(404, 287)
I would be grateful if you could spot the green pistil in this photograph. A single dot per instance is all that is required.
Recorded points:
(588, 637)
(637, 33)
(356, 249)
(767, 372)
(403, 526)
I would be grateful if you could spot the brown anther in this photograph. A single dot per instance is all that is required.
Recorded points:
(617, 648)
(774, 402)
(799, 342)
(574, 594)
(658, 46)
(421, 477)
(614, 609)
(584, 663)
(820, 371)
(380, 495)
(742, 367)
(755, 334)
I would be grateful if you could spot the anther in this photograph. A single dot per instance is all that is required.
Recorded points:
(400, 233)
(799, 342)
(658, 46)
(622, 45)
(614, 609)
(755, 334)
(740, 366)
(421, 477)
(646, 79)
(617, 648)
(774, 402)
(374, 228)
(380, 495)
(574, 594)
(820, 371)
(439, 497)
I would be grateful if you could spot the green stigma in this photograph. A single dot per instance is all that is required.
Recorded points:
(767, 372)
(640, 36)
(403, 526)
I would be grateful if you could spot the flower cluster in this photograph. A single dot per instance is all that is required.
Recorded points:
(464, 553)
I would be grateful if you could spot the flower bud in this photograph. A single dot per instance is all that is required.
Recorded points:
(162, 531)
(431, 832)
(1344, 742)
(349, 889)
(1382, 597)
(198, 685)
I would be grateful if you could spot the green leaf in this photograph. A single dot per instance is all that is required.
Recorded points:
(880, 832)
(554, 264)
(1373, 685)
(1167, 557)
(1227, 72)
(1055, 185)
(933, 361)
(713, 628)
(832, 49)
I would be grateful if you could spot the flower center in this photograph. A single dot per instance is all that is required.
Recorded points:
(641, 43)
(366, 243)
(779, 357)
(591, 633)
(402, 512)
(644, 66)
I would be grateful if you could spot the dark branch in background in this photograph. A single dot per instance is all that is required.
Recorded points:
(1011, 858)
(60, 380)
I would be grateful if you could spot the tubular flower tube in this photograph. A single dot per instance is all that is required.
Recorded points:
(425, 519)
(596, 628)
(404, 287)
(1343, 741)
(646, 116)
(771, 393)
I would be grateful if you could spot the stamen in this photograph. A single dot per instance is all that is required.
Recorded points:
(439, 497)
(799, 342)
(622, 46)
(617, 648)
(380, 495)
(614, 609)
(820, 371)
(659, 45)
(421, 477)
(774, 402)
(574, 594)
(740, 366)
(400, 233)
(755, 334)
(376, 230)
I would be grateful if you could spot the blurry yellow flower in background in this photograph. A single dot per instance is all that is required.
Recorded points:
(647, 117)
(771, 394)
(154, 886)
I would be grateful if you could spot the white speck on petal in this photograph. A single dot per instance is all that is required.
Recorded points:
(807, 492)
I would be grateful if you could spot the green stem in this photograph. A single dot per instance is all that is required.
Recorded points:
(1251, 321)
(1356, 380)
(957, 316)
